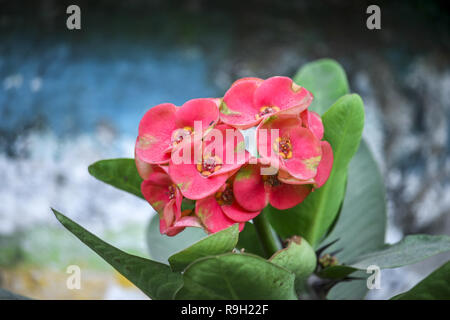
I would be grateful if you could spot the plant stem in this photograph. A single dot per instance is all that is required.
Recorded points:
(265, 235)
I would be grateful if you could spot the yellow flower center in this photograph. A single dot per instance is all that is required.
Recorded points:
(283, 146)
(179, 135)
(171, 191)
(226, 196)
(209, 165)
(267, 110)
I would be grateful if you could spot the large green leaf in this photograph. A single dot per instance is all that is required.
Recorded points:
(357, 233)
(434, 287)
(249, 241)
(161, 247)
(326, 80)
(343, 124)
(120, 173)
(216, 243)
(350, 290)
(236, 277)
(155, 279)
(411, 249)
(362, 221)
(299, 258)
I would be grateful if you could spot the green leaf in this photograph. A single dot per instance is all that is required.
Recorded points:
(362, 222)
(298, 257)
(155, 279)
(411, 249)
(161, 247)
(358, 233)
(214, 244)
(350, 290)
(120, 173)
(248, 240)
(236, 277)
(434, 287)
(311, 219)
(326, 80)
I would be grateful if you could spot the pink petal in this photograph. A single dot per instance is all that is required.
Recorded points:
(155, 133)
(145, 169)
(313, 122)
(283, 93)
(203, 109)
(233, 143)
(237, 108)
(267, 132)
(211, 215)
(169, 230)
(248, 188)
(259, 80)
(325, 165)
(285, 196)
(285, 177)
(156, 195)
(306, 154)
(188, 221)
(169, 212)
(192, 184)
(236, 213)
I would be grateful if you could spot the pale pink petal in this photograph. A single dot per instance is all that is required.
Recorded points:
(325, 165)
(211, 215)
(283, 93)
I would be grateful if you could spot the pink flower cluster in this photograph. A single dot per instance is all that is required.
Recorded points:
(197, 151)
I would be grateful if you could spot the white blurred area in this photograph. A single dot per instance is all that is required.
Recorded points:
(52, 172)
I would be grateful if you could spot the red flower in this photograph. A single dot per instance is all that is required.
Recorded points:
(202, 167)
(164, 196)
(221, 210)
(283, 141)
(206, 160)
(249, 100)
(253, 190)
(165, 126)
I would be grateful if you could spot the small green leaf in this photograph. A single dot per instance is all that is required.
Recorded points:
(312, 218)
(154, 279)
(216, 243)
(249, 241)
(326, 80)
(434, 287)
(120, 173)
(336, 272)
(161, 247)
(236, 277)
(298, 257)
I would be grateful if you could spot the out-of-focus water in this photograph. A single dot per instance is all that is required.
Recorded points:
(69, 98)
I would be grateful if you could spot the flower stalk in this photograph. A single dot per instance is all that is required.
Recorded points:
(265, 234)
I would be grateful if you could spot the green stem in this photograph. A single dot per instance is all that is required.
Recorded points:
(265, 235)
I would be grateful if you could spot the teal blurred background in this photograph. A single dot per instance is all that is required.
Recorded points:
(69, 98)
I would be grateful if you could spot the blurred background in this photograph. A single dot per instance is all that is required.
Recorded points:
(72, 97)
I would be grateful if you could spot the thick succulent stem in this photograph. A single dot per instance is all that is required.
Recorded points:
(265, 234)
